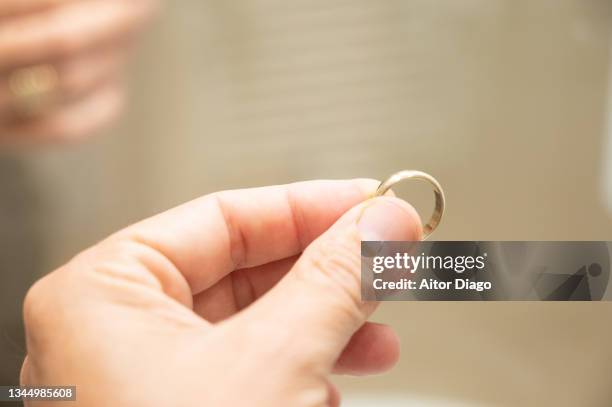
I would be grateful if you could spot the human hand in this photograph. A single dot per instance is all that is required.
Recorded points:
(61, 65)
(184, 309)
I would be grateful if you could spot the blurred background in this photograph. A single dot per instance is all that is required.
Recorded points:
(507, 103)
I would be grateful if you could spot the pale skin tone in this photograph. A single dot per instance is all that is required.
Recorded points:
(87, 42)
(239, 298)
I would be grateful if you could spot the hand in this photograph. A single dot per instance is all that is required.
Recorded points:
(184, 309)
(61, 64)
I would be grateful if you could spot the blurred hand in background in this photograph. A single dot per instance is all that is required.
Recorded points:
(61, 65)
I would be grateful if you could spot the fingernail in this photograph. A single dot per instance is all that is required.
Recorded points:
(388, 218)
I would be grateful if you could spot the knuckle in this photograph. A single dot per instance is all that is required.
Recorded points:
(24, 373)
(38, 303)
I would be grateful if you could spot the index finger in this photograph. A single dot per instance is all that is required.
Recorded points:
(208, 238)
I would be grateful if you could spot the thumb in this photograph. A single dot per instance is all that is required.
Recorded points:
(316, 308)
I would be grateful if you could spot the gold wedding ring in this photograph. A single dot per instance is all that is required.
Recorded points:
(33, 89)
(434, 221)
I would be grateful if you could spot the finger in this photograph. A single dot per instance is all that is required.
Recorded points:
(313, 312)
(87, 71)
(239, 289)
(212, 236)
(67, 30)
(374, 348)
(70, 122)
(9, 7)
(77, 76)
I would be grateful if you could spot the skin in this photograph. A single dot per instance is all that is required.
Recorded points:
(87, 42)
(239, 298)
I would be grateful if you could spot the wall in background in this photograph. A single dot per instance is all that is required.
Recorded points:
(503, 100)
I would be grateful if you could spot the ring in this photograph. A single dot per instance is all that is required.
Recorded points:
(434, 221)
(33, 89)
